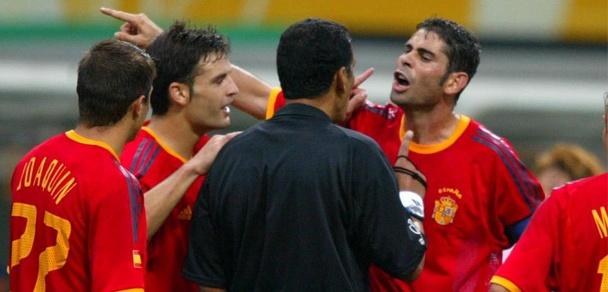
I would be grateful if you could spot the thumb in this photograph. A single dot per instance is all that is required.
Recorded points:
(122, 36)
(404, 149)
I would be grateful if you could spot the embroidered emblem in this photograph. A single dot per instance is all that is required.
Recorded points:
(445, 210)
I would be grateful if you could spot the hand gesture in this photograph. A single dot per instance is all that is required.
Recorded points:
(408, 176)
(358, 95)
(138, 29)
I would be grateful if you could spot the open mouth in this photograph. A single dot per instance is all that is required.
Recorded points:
(400, 83)
(401, 79)
(226, 109)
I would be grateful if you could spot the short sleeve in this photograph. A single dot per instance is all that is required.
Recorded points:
(117, 234)
(386, 231)
(518, 193)
(528, 268)
(203, 263)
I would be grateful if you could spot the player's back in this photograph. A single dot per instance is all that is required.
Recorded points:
(58, 191)
(582, 248)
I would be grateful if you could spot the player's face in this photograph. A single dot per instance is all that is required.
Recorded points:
(419, 71)
(212, 92)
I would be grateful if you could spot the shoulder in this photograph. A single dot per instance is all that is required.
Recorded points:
(582, 187)
(490, 143)
(372, 110)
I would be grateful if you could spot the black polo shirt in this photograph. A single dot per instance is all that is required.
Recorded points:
(297, 203)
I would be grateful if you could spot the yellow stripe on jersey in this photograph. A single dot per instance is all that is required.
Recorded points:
(163, 145)
(83, 140)
(463, 123)
(505, 283)
(272, 99)
(132, 290)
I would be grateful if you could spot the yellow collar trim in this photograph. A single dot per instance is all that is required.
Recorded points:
(83, 140)
(463, 123)
(163, 145)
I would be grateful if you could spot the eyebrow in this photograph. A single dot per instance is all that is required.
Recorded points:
(421, 51)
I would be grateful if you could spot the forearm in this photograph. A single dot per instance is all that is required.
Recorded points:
(160, 200)
(253, 93)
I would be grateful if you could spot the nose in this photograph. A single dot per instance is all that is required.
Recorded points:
(405, 59)
(233, 90)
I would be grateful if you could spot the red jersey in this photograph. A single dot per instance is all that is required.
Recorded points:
(565, 247)
(477, 188)
(77, 220)
(152, 162)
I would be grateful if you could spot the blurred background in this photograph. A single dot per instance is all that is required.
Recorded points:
(544, 65)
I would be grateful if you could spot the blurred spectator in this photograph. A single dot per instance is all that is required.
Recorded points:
(563, 163)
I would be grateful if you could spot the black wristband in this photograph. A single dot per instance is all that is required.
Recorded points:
(413, 174)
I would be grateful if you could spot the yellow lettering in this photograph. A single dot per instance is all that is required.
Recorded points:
(59, 182)
(38, 176)
(28, 172)
(53, 179)
(601, 222)
(21, 178)
(47, 175)
(64, 190)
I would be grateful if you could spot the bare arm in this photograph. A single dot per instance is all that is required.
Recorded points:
(141, 31)
(253, 93)
(161, 199)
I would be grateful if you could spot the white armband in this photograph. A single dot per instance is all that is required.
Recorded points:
(412, 202)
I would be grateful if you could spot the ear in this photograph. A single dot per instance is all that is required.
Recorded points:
(455, 83)
(343, 81)
(179, 93)
(140, 107)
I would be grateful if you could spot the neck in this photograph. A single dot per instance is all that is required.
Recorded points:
(325, 103)
(431, 126)
(115, 136)
(174, 132)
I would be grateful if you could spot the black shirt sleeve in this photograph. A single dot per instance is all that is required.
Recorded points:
(386, 231)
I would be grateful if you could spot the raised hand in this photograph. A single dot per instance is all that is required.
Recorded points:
(358, 95)
(138, 29)
(408, 176)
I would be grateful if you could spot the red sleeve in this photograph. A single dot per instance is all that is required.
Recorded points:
(117, 236)
(276, 100)
(528, 268)
(519, 192)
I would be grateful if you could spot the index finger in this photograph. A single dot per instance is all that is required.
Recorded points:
(362, 77)
(120, 15)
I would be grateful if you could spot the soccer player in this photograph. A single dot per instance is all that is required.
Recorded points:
(298, 203)
(77, 219)
(565, 247)
(192, 93)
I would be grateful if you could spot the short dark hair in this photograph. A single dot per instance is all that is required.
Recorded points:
(309, 54)
(177, 53)
(461, 46)
(112, 75)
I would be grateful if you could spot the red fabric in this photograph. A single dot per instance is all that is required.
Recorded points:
(565, 247)
(167, 249)
(95, 229)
